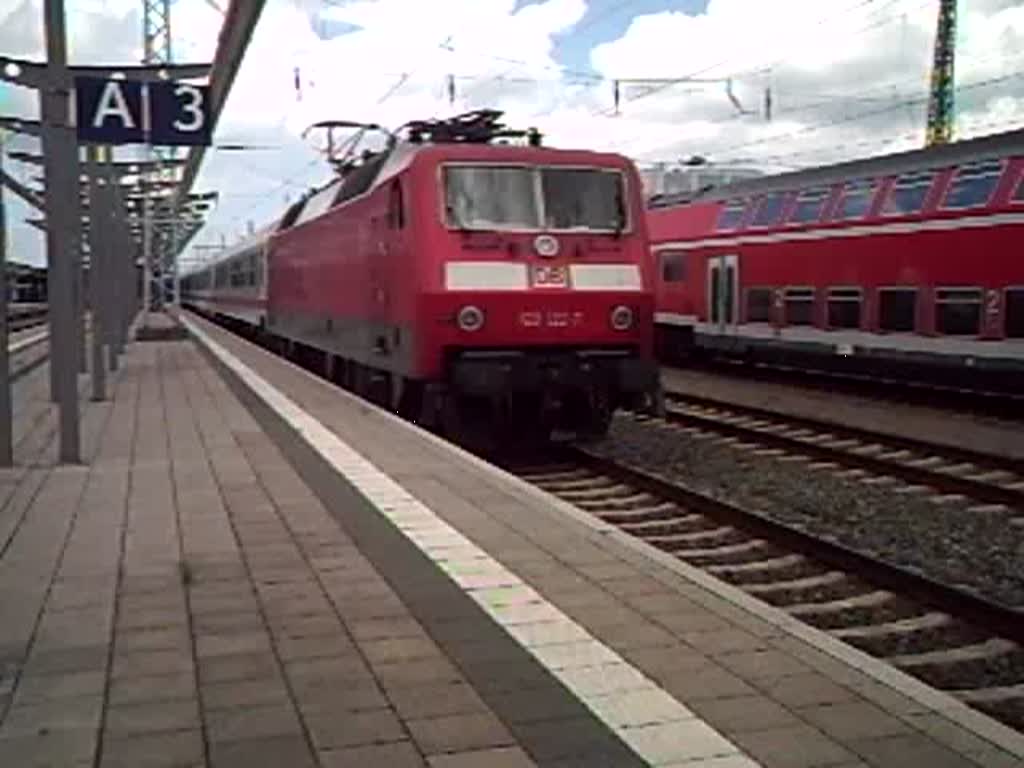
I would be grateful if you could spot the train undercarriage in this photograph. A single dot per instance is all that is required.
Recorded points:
(493, 394)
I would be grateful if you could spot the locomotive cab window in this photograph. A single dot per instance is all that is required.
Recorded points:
(799, 306)
(732, 215)
(844, 307)
(974, 184)
(673, 266)
(1014, 313)
(958, 311)
(897, 309)
(583, 198)
(769, 210)
(759, 305)
(908, 194)
(560, 199)
(856, 199)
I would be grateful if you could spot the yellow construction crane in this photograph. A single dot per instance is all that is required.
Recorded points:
(943, 85)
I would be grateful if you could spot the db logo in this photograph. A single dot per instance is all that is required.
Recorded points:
(549, 277)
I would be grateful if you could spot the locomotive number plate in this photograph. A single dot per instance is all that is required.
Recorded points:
(549, 277)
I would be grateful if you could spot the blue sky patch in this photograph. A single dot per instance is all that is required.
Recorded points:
(607, 20)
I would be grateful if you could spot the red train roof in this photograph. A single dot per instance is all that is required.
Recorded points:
(999, 145)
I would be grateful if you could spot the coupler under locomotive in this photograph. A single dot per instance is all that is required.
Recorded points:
(538, 393)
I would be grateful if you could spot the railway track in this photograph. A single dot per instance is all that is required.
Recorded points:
(951, 639)
(997, 403)
(994, 482)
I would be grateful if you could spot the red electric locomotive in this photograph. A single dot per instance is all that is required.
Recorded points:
(463, 265)
(910, 261)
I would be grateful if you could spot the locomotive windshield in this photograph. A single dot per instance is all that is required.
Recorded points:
(518, 197)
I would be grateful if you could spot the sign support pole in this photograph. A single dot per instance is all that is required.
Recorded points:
(6, 428)
(61, 172)
(98, 256)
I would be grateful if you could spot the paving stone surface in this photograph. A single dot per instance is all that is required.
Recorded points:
(779, 698)
(184, 598)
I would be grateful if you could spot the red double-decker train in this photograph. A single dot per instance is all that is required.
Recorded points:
(908, 261)
(463, 266)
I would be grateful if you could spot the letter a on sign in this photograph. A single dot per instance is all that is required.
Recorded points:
(109, 111)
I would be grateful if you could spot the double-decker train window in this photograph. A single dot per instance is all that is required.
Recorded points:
(673, 266)
(974, 184)
(897, 309)
(809, 204)
(1014, 313)
(799, 306)
(844, 307)
(769, 210)
(856, 199)
(908, 194)
(732, 215)
(958, 311)
(759, 305)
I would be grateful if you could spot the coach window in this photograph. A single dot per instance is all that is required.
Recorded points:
(673, 266)
(958, 311)
(799, 306)
(1014, 313)
(732, 215)
(769, 210)
(897, 309)
(856, 199)
(974, 184)
(808, 206)
(844, 307)
(908, 194)
(759, 305)
(253, 260)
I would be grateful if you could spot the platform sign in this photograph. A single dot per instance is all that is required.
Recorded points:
(179, 114)
(130, 112)
(109, 111)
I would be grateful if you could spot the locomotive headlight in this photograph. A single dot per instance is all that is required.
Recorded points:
(546, 246)
(622, 318)
(470, 318)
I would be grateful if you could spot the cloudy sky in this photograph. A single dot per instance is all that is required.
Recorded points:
(847, 78)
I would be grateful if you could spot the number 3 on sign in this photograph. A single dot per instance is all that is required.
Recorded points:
(193, 109)
(180, 113)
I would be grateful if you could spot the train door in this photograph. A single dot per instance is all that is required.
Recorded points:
(723, 292)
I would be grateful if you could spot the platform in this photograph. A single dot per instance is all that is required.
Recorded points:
(257, 569)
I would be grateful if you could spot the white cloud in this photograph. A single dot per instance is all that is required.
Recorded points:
(848, 77)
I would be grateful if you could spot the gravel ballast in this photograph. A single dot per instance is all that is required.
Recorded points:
(977, 551)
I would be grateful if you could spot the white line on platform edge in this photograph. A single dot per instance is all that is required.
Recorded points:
(644, 716)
